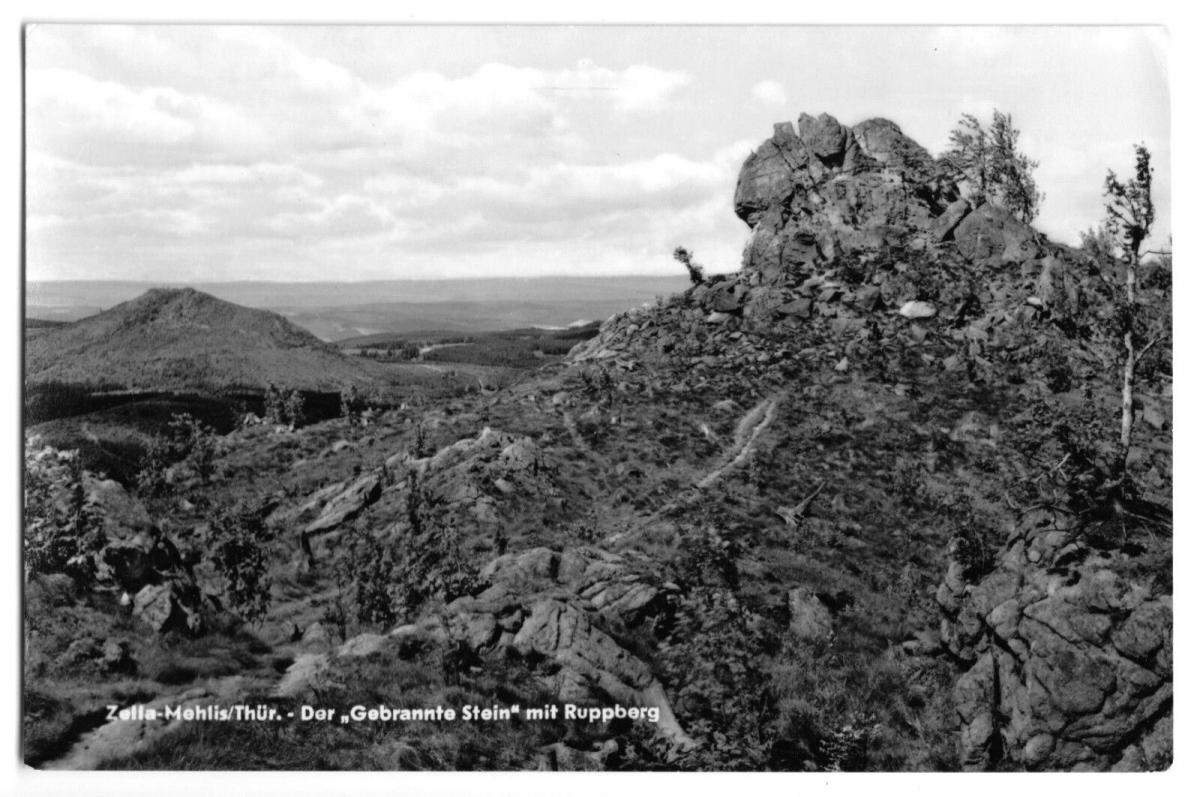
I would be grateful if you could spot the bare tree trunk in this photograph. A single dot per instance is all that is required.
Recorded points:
(1130, 365)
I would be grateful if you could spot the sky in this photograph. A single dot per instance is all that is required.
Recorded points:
(313, 153)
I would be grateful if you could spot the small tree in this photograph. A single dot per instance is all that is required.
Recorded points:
(369, 567)
(293, 409)
(273, 404)
(432, 562)
(1098, 244)
(186, 440)
(988, 160)
(151, 478)
(352, 405)
(196, 443)
(64, 525)
(970, 156)
(238, 550)
(1129, 211)
(694, 269)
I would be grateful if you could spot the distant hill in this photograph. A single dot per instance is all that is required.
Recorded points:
(340, 310)
(185, 339)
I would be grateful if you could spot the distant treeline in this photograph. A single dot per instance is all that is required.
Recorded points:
(516, 348)
(149, 409)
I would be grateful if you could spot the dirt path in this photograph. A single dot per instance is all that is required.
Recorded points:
(752, 424)
(120, 738)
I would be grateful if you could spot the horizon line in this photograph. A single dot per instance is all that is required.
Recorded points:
(682, 275)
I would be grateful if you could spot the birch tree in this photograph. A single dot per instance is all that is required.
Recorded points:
(1129, 215)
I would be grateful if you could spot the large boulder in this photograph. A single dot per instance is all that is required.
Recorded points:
(134, 562)
(817, 190)
(348, 503)
(993, 235)
(172, 606)
(823, 136)
(771, 174)
(882, 141)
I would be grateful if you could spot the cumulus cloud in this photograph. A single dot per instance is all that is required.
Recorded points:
(100, 121)
(343, 216)
(234, 137)
(254, 152)
(770, 92)
(636, 89)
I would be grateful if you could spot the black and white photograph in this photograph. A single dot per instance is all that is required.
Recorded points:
(596, 398)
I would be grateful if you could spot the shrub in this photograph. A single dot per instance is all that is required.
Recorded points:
(421, 447)
(64, 526)
(695, 270)
(709, 558)
(283, 406)
(187, 441)
(293, 409)
(432, 563)
(368, 567)
(847, 747)
(238, 539)
(715, 657)
(973, 551)
(273, 400)
(352, 405)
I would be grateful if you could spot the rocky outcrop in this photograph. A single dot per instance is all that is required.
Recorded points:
(132, 556)
(540, 605)
(471, 477)
(544, 605)
(1068, 652)
(345, 504)
(818, 189)
(622, 587)
(848, 223)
